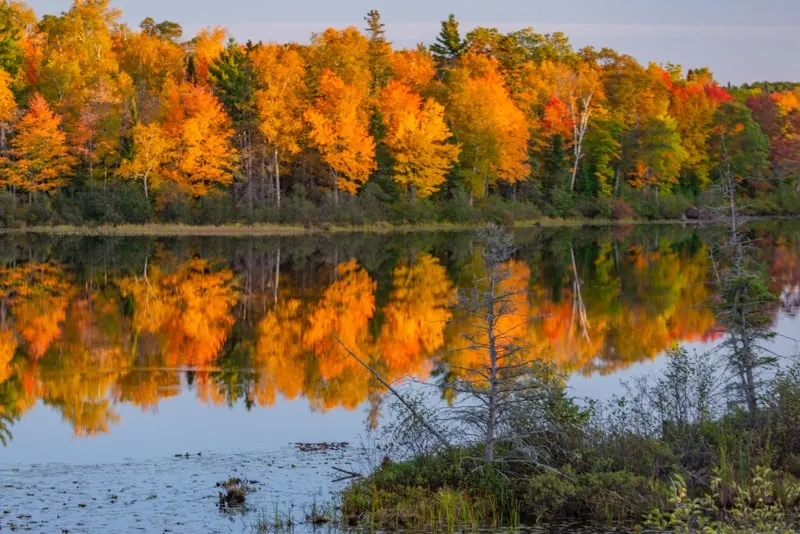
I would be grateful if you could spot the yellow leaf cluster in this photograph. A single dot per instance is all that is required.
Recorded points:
(340, 132)
(417, 138)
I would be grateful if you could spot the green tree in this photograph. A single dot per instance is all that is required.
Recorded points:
(11, 54)
(233, 80)
(449, 45)
(738, 146)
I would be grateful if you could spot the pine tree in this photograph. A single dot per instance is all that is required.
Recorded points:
(11, 54)
(448, 45)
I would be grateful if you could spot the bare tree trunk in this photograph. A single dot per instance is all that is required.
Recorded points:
(414, 413)
(277, 283)
(491, 419)
(277, 178)
(579, 128)
(578, 306)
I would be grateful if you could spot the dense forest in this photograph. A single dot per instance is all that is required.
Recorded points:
(104, 123)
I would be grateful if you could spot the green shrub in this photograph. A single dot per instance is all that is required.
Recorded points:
(9, 207)
(216, 208)
(594, 208)
(456, 209)
(173, 205)
(40, 211)
(296, 208)
(130, 203)
(673, 206)
(563, 204)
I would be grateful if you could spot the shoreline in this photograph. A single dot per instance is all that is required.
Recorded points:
(280, 230)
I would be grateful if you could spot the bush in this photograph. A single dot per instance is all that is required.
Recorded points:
(621, 210)
(216, 208)
(674, 206)
(456, 209)
(131, 204)
(414, 211)
(8, 209)
(173, 205)
(298, 209)
(594, 208)
(563, 204)
(40, 211)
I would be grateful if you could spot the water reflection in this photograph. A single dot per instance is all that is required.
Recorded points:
(88, 323)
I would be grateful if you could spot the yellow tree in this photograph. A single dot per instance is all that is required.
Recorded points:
(340, 132)
(416, 136)
(491, 129)
(79, 75)
(280, 101)
(151, 61)
(39, 158)
(415, 68)
(151, 150)
(208, 45)
(201, 131)
(8, 107)
(344, 52)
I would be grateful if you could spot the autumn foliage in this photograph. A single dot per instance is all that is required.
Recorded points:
(88, 102)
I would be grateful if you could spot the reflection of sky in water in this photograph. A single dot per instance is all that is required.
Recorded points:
(180, 425)
(605, 387)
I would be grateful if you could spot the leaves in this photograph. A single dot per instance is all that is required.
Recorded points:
(39, 158)
(339, 130)
(417, 139)
(491, 129)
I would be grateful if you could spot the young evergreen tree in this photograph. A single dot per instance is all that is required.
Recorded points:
(449, 45)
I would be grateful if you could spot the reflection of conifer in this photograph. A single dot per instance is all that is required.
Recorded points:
(744, 298)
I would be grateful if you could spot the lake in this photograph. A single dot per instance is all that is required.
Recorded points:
(117, 354)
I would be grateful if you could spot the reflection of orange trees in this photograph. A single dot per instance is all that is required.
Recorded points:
(8, 346)
(188, 312)
(416, 315)
(279, 353)
(608, 316)
(343, 311)
(39, 294)
(79, 389)
(146, 389)
(298, 354)
(79, 374)
(468, 335)
(784, 271)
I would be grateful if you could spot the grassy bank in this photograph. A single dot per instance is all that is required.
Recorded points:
(241, 230)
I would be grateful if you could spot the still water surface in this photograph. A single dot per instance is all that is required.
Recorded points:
(130, 348)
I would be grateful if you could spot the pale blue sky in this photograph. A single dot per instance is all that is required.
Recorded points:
(740, 40)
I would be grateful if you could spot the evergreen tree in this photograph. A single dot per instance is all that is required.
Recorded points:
(10, 52)
(449, 45)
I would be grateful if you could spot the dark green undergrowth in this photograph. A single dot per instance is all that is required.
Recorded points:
(734, 472)
(114, 202)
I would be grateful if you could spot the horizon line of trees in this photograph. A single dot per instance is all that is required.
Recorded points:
(88, 102)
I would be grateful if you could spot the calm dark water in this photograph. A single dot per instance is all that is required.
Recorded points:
(133, 348)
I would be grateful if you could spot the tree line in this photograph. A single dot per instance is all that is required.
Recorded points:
(103, 122)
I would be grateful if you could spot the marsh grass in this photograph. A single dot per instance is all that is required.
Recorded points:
(245, 230)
